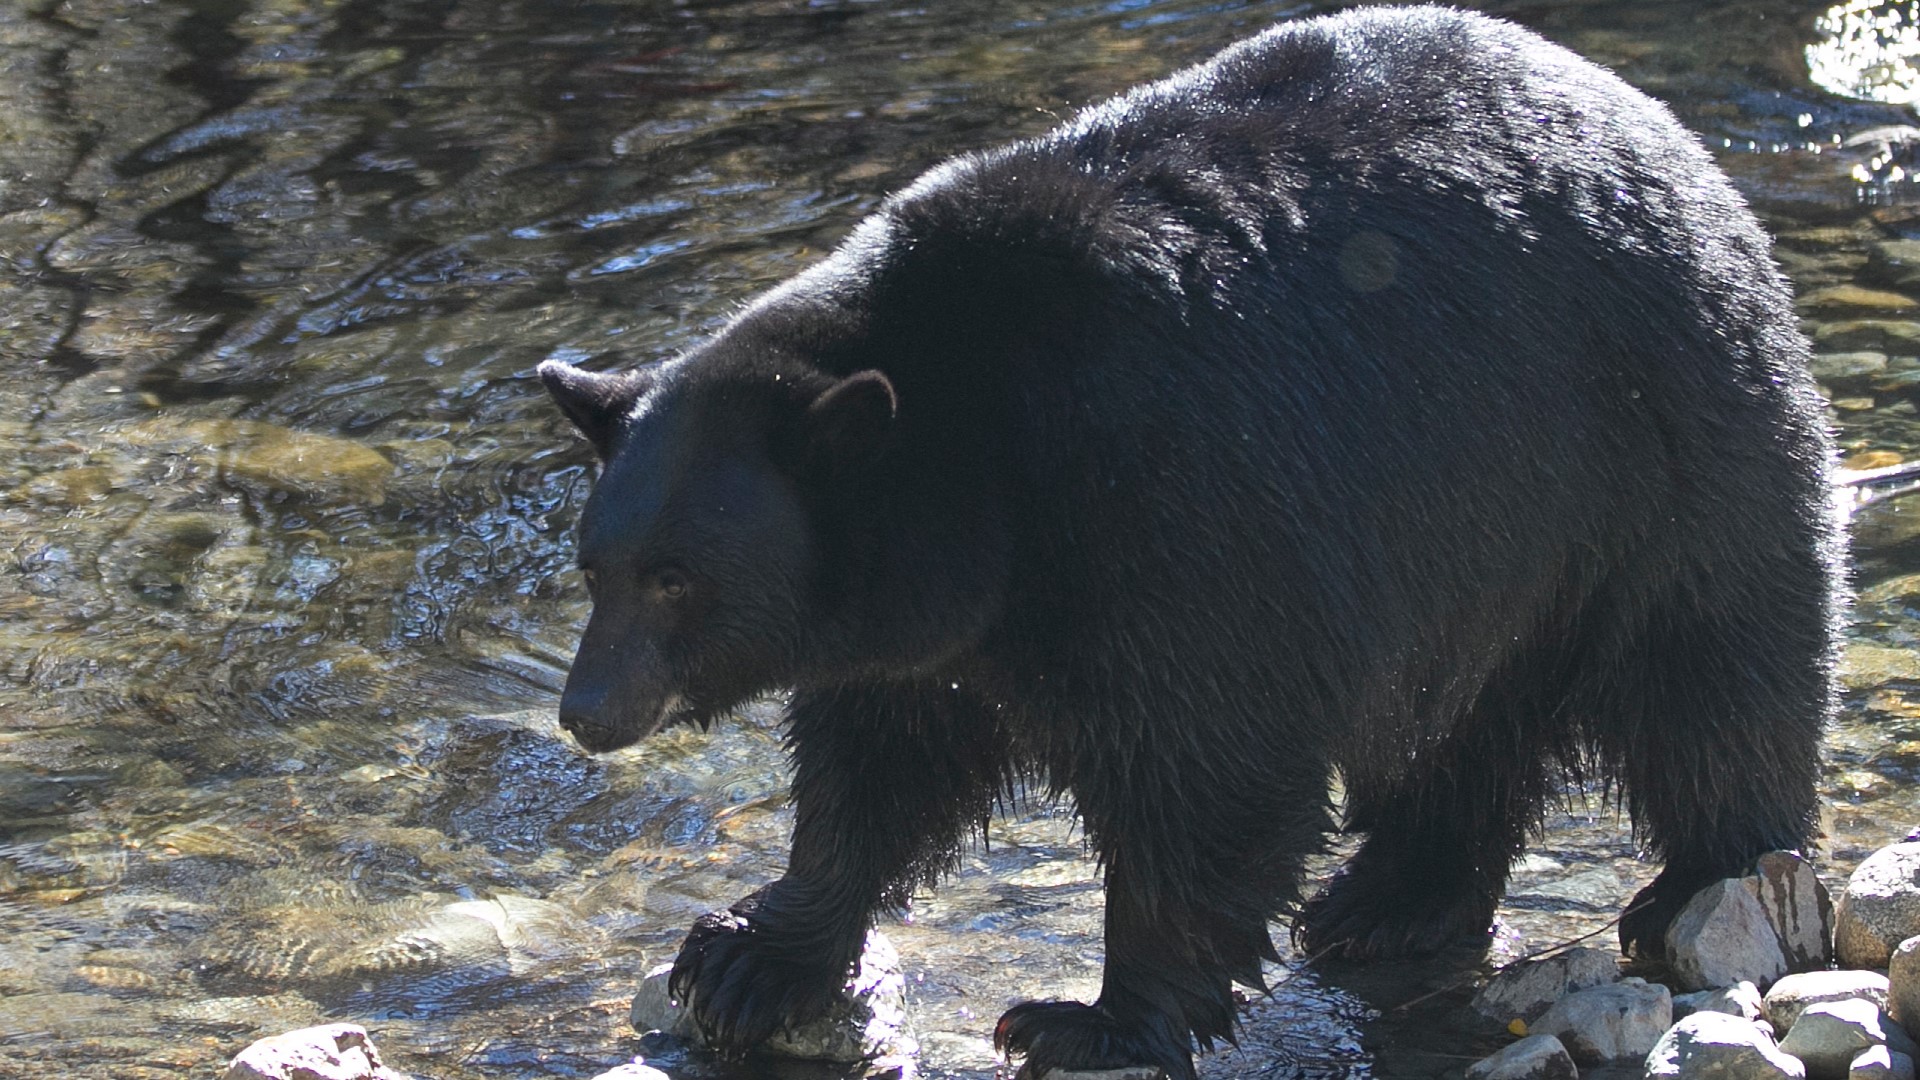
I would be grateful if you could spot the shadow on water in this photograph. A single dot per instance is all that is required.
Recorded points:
(285, 586)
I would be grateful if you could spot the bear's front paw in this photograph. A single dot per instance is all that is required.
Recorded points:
(1069, 1035)
(743, 975)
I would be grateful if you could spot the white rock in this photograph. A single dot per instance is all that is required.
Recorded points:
(1880, 1063)
(331, 1052)
(1828, 1036)
(869, 1022)
(1880, 907)
(1606, 1023)
(1526, 989)
(1536, 1057)
(1723, 937)
(633, 1070)
(1719, 1045)
(1741, 999)
(1798, 907)
(1903, 977)
(1795, 992)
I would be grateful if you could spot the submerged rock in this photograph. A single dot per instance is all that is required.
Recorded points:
(1880, 907)
(869, 1022)
(332, 1052)
(1607, 1023)
(1723, 936)
(1714, 1045)
(1536, 1057)
(1528, 988)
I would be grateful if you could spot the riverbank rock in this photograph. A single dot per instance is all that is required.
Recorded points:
(1798, 907)
(1528, 988)
(1718, 1045)
(1741, 999)
(1880, 907)
(1723, 937)
(1791, 995)
(868, 1024)
(633, 1070)
(1903, 984)
(330, 1052)
(1880, 1063)
(1536, 1057)
(1607, 1023)
(1830, 1035)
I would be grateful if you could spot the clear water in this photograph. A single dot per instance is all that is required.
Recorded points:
(284, 596)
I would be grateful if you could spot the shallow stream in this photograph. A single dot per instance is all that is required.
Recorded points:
(285, 586)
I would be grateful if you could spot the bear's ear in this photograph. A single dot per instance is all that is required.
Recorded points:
(852, 420)
(595, 402)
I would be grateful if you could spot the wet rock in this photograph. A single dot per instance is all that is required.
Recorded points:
(1791, 995)
(1893, 262)
(1526, 989)
(1741, 999)
(1854, 300)
(633, 1070)
(1831, 367)
(1536, 1057)
(1830, 1035)
(869, 1022)
(1714, 1044)
(1607, 1023)
(332, 1052)
(1880, 1063)
(1903, 990)
(1797, 906)
(1723, 937)
(320, 468)
(1880, 907)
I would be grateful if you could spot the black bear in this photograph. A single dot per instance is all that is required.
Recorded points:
(1394, 395)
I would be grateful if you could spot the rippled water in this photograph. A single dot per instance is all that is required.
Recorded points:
(285, 599)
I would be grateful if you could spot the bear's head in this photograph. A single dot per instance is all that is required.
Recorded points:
(702, 541)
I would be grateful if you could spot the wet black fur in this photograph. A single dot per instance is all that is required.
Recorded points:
(1394, 395)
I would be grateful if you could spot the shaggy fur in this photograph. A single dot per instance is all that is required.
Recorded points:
(1393, 395)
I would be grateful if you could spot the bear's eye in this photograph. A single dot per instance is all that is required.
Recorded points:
(671, 583)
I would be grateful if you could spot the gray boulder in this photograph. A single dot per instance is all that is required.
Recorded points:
(1880, 1063)
(1903, 978)
(1536, 1057)
(1723, 937)
(633, 1070)
(869, 1022)
(1788, 997)
(1798, 907)
(1528, 988)
(1607, 1023)
(1880, 907)
(330, 1052)
(1718, 1045)
(1829, 1036)
(1741, 999)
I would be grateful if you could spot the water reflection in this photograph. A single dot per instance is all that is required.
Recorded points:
(286, 593)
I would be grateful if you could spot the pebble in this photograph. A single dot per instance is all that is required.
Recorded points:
(1717, 1045)
(1536, 1057)
(1722, 937)
(329, 1052)
(1880, 907)
(1797, 905)
(1791, 995)
(1741, 999)
(869, 1023)
(1607, 1023)
(1880, 1063)
(1528, 988)
(1830, 1035)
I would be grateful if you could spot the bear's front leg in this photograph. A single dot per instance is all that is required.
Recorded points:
(886, 779)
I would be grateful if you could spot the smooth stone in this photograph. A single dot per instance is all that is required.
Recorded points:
(1835, 299)
(1791, 995)
(1526, 989)
(1722, 937)
(1607, 1023)
(1880, 1063)
(1880, 907)
(1829, 1035)
(868, 1022)
(1903, 983)
(1798, 907)
(1741, 999)
(329, 1052)
(633, 1070)
(1536, 1057)
(1718, 1045)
